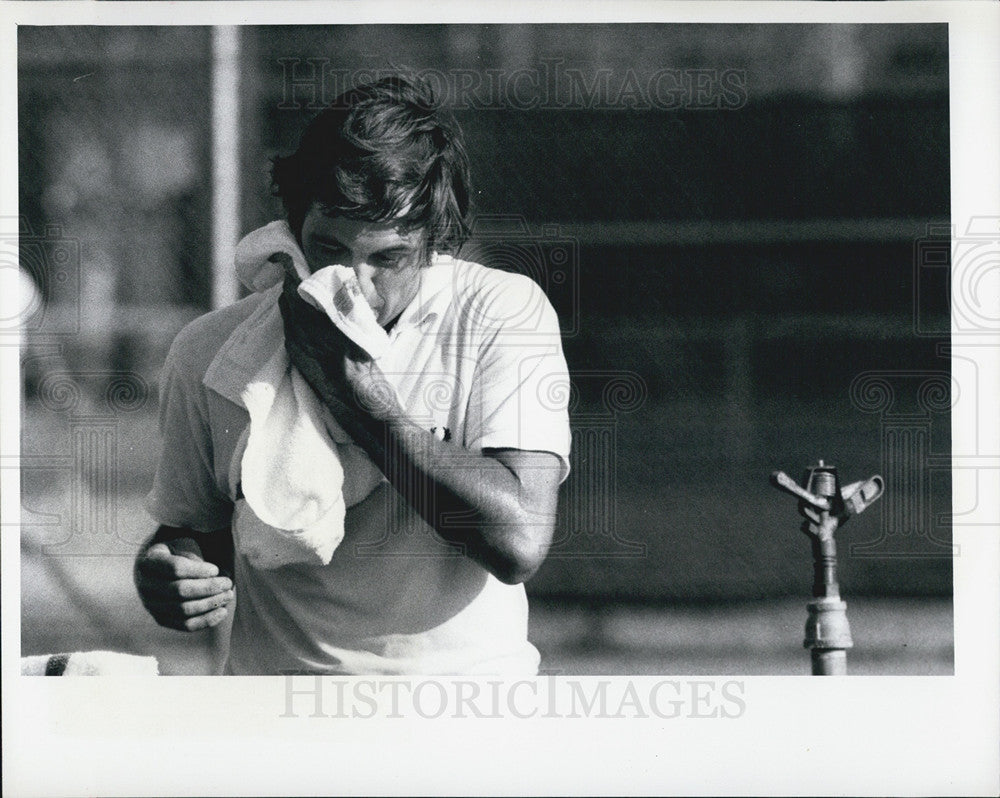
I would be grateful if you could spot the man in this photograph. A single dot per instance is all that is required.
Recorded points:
(457, 415)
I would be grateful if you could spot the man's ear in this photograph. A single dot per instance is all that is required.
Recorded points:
(430, 249)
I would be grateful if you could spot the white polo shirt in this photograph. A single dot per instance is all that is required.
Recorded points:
(477, 359)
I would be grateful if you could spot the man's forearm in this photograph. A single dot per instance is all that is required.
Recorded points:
(469, 498)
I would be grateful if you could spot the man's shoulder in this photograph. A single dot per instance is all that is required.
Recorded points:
(499, 298)
(198, 342)
(476, 279)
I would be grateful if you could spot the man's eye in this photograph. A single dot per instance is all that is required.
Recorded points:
(327, 250)
(387, 261)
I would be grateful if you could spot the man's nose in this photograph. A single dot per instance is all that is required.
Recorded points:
(366, 274)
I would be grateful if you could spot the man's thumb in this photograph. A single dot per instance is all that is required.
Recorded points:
(186, 547)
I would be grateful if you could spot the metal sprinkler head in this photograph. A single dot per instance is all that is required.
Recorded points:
(826, 505)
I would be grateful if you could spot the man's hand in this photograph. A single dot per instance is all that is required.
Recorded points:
(179, 588)
(309, 333)
(314, 345)
(342, 376)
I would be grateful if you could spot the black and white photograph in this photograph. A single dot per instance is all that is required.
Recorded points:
(500, 380)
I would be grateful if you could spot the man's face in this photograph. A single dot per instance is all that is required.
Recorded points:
(386, 260)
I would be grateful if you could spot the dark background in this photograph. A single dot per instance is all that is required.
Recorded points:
(723, 273)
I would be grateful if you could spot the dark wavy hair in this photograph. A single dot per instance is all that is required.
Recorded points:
(382, 152)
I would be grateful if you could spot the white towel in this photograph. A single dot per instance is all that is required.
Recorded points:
(290, 472)
(335, 290)
(289, 462)
(89, 663)
(254, 269)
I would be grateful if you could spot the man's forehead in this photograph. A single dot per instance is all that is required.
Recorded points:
(358, 232)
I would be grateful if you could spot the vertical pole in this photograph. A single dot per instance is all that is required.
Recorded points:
(226, 184)
(225, 162)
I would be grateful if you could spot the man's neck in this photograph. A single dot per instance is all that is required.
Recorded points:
(390, 324)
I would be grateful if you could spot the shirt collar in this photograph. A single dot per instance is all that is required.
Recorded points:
(433, 294)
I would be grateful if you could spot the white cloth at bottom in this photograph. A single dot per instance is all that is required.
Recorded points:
(89, 663)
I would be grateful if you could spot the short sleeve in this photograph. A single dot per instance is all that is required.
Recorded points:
(520, 390)
(185, 492)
